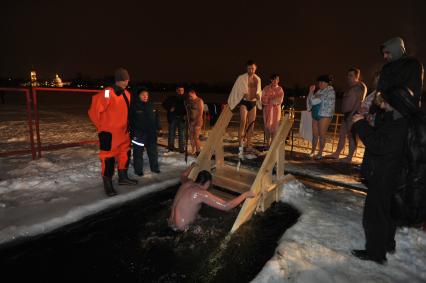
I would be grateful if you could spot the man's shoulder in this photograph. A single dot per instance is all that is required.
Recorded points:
(359, 86)
(106, 92)
(242, 76)
(413, 62)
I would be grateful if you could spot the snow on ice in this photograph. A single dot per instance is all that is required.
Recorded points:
(317, 248)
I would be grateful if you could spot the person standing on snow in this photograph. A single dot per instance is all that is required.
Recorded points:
(144, 125)
(109, 112)
(400, 70)
(176, 117)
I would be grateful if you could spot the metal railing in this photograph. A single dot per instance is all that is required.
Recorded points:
(32, 149)
(36, 147)
(332, 137)
(33, 117)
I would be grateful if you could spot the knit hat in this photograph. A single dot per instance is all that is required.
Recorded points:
(121, 74)
(325, 78)
(395, 46)
(402, 100)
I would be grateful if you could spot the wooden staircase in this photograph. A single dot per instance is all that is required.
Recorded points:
(263, 183)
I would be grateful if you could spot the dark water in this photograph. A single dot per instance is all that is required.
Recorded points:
(134, 244)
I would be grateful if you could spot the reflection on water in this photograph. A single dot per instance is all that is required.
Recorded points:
(134, 244)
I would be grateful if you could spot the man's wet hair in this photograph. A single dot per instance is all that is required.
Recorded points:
(251, 62)
(356, 71)
(192, 90)
(203, 177)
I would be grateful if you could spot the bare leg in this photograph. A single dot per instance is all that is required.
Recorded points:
(243, 121)
(191, 138)
(250, 121)
(315, 136)
(267, 136)
(323, 127)
(196, 133)
(341, 144)
(352, 146)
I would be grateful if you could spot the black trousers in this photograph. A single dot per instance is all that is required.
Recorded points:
(151, 149)
(177, 123)
(379, 226)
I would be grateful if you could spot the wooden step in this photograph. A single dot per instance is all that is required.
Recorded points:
(230, 178)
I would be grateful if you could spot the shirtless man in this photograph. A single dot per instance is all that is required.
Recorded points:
(191, 195)
(246, 93)
(351, 104)
(196, 110)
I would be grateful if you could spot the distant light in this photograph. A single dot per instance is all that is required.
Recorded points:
(102, 86)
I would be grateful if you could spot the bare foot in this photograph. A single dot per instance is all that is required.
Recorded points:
(318, 157)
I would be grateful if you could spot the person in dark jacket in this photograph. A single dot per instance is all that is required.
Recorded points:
(144, 124)
(385, 145)
(400, 70)
(176, 117)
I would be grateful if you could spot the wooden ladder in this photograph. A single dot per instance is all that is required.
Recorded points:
(262, 182)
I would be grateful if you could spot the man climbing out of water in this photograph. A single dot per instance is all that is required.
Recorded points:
(109, 112)
(191, 195)
(246, 93)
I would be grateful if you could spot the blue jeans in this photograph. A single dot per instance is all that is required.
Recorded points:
(179, 124)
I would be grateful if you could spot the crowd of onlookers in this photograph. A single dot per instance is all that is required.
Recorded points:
(389, 122)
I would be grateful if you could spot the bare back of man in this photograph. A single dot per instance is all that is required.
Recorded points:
(191, 195)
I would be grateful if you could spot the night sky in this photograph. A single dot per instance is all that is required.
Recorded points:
(208, 41)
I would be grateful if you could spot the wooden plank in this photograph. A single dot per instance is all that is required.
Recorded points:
(230, 178)
(213, 141)
(243, 175)
(231, 185)
(258, 186)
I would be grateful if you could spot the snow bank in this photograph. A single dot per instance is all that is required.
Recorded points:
(65, 186)
(317, 248)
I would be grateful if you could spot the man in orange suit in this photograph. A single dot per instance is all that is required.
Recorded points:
(109, 112)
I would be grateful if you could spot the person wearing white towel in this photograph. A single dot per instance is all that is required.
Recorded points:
(246, 93)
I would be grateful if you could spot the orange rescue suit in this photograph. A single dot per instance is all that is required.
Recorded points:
(109, 113)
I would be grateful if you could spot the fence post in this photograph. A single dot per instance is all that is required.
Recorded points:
(37, 121)
(30, 123)
(335, 132)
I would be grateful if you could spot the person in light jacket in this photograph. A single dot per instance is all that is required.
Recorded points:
(321, 104)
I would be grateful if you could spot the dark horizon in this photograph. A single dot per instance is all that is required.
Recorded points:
(186, 42)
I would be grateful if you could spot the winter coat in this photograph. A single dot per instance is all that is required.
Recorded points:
(175, 101)
(109, 110)
(385, 148)
(143, 120)
(402, 71)
(410, 200)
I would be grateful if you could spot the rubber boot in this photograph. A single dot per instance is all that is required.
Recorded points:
(109, 164)
(109, 189)
(123, 179)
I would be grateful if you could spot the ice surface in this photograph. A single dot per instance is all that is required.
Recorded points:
(64, 187)
(317, 248)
